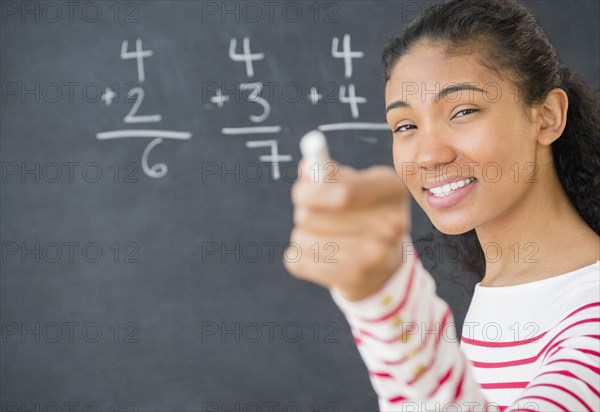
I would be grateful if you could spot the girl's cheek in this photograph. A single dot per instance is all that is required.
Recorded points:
(404, 163)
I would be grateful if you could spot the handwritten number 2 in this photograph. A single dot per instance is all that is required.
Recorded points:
(132, 117)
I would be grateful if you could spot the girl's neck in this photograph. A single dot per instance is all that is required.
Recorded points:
(541, 237)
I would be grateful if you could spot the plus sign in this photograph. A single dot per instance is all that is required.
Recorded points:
(219, 98)
(108, 96)
(314, 95)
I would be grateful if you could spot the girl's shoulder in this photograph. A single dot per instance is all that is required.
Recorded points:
(582, 284)
(577, 279)
(544, 302)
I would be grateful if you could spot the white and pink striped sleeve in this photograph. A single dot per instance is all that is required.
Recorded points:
(406, 336)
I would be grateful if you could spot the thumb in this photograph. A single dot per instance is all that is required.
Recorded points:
(317, 172)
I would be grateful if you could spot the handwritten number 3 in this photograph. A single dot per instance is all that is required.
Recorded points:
(255, 89)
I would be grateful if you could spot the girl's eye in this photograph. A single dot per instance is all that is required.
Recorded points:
(403, 128)
(465, 112)
(407, 127)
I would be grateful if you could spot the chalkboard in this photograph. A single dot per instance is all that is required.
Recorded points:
(148, 150)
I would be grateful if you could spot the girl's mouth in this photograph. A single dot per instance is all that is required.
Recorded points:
(450, 194)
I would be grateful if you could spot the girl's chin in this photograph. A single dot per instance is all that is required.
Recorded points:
(453, 231)
(452, 228)
(451, 221)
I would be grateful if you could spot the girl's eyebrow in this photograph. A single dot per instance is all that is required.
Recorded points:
(441, 94)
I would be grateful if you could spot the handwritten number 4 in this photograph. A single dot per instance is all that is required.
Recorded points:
(139, 54)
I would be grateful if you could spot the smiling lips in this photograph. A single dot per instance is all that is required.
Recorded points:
(445, 190)
(449, 194)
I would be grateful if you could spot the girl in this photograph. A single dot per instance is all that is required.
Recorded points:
(474, 92)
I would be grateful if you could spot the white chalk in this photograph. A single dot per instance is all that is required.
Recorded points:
(314, 148)
(315, 153)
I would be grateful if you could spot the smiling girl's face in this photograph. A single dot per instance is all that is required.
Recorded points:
(476, 129)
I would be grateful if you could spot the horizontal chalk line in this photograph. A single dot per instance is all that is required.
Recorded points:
(251, 130)
(149, 134)
(353, 126)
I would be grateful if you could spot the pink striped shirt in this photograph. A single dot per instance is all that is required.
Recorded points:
(529, 347)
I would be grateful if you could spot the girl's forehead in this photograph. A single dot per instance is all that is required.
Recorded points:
(430, 67)
(431, 62)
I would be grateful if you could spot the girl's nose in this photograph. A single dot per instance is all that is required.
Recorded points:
(434, 150)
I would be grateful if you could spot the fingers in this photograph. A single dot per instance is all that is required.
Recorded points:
(344, 187)
(348, 225)
(331, 259)
(385, 221)
(339, 261)
(376, 184)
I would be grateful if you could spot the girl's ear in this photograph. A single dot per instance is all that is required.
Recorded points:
(552, 116)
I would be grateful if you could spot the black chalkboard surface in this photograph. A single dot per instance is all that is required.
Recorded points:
(148, 150)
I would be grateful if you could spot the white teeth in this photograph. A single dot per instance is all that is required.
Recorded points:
(445, 190)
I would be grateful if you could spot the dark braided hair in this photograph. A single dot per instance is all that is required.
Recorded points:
(513, 43)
